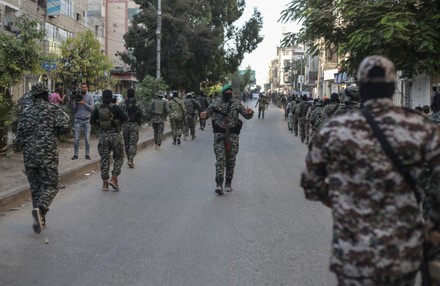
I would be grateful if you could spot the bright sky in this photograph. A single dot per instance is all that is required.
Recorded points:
(259, 60)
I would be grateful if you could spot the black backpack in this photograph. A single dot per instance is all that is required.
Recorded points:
(133, 112)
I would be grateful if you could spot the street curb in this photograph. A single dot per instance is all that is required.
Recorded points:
(18, 195)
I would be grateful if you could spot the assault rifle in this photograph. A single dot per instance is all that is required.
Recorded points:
(225, 137)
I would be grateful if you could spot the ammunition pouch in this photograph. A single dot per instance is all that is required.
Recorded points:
(232, 130)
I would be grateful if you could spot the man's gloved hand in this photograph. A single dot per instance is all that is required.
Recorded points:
(431, 235)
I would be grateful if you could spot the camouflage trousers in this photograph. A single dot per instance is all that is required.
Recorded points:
(202, 123)
(261, 112)
(290, 121)
(295, 126)
(177, 126)
(408, 279)
(158, 132)
(130, 132)
(225, 160)
(190, 126)
(110, 141)
(44, 186)
(302, 128)
(307, 131)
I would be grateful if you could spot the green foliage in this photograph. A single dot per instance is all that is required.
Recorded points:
(83, 61)
(405, 31)
(147, 89)
(240, 82)
(200, 44)
(20, 54)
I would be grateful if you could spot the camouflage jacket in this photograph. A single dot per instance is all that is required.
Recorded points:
(377, 221)
(316, 117)
(218, 109)
(191, 105)
(435, 118)
(262, 102)
(158, 118)
(289, 108)
(177, 109)
(36, 133)
(301, 110)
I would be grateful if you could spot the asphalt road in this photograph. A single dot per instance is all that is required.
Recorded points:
(167, 226)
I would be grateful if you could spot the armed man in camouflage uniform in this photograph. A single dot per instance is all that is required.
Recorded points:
(288, 115)
(330, 108)
(130, 129)
(109, 118)
(262, 104)
(316, 117)
(204, 103)
(349, 98)
(177, 117)
(37, 137)
(159, 110)
(301, 112)
(226, 125)
(191, 107)
(295, 115)
(377, 229)
(312, 106)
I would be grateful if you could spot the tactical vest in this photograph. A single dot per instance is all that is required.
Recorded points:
(158, 107)
(106, 118)
(133, 111)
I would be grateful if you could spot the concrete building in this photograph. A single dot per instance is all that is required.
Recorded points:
(61, 19)
(118, 15)
(287, 69)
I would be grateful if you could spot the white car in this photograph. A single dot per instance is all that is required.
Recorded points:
(119, 98)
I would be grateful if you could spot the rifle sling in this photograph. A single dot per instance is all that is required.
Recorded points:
(404, 171)
(389, 151)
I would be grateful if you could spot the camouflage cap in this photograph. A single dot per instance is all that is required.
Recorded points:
(39, 88)
(160, 94)
(352, 93)
(386, 74)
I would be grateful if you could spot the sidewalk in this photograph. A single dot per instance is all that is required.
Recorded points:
(14, 187)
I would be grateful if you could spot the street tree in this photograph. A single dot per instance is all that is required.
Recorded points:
(241, 80)
(405, 31)
(20, 54)
(82, 60)
(200, 43)
(148, 88)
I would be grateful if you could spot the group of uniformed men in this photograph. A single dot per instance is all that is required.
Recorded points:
(39, 121)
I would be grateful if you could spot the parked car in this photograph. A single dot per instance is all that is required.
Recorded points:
(119, 98)
(97, 98)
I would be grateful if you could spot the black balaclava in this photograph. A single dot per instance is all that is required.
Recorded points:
(43, 95)
(107, 96)
(377, 78)
(227, 95)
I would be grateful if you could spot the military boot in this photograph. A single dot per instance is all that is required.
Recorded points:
(130, 163)
(178, 141)
(36, 215)
(114, 183)
(105, 185)
(219, 188)
(228, 187)
(174, 141)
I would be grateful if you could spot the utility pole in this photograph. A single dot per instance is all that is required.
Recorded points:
(158, 34)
